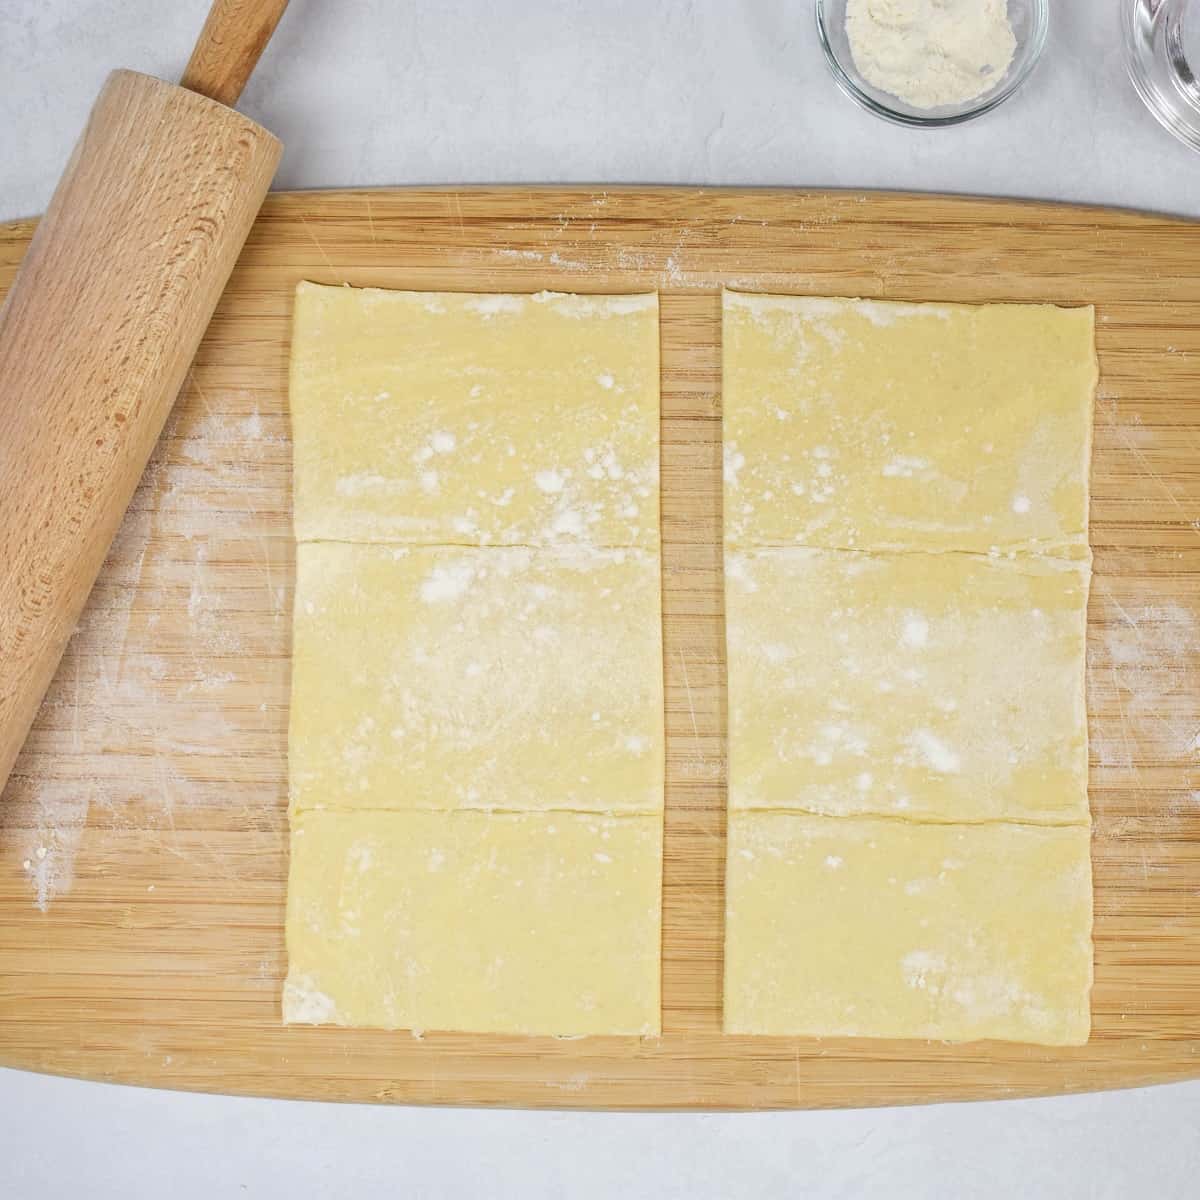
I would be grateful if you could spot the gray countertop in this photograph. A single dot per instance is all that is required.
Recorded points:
(372, 92)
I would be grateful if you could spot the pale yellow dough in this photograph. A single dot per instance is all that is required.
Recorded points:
(860, 927)
(458, 677)
(944, 687)
(879, 426)
(476, 738)
(534, 923)
(907, 571)
(447, 417)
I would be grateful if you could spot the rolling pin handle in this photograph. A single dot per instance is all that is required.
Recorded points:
(230, 45)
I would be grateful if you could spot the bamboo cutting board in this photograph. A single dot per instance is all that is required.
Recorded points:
(143, 835)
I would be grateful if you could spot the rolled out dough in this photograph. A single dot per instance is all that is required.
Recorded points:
(879, 928)
(476, 739)
(447, 677)
(881, 426)
(452, 418)
(523, 923)
(907, 572)
(942, 687)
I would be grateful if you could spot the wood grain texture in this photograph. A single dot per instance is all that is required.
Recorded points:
(146, 815)
(235, 34)
(111, 302)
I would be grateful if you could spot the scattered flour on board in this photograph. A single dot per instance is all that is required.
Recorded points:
(51, 846)
(61, 805)
(573, 1083)
(155, 662)
(1141, 665)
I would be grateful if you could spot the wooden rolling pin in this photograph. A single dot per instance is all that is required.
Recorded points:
(96, 335)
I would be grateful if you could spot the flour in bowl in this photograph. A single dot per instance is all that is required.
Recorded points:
(931, 52)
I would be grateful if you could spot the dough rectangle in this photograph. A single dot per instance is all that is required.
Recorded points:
(458, 418)
(532, 923)
(906, 580)
(882, 426)
(501, 678)
(946, 687)
(858, 927)
(476, 734)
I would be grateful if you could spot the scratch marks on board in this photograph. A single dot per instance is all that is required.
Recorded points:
(370, 218)
(698, 764)
(317, 242)
(1123, 431)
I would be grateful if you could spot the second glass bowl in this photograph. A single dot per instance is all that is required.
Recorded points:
(1162, 51)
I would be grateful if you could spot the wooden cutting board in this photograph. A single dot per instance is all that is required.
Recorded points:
(143, 837)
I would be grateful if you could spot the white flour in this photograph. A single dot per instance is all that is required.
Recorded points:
(153, 679)
(931, 52)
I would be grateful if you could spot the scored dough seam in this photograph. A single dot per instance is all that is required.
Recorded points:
(1011, 552)
(609, 814)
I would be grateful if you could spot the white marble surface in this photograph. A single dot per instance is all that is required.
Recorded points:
(90, 1142)
(677, 91)
(670, 91)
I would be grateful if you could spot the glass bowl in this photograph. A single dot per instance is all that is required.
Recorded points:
(1162, 52)
(1029, 19)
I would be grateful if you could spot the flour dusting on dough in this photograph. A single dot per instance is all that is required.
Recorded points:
(305, 1004)
(447, 581)
(491, 306)
(487, 453)
(586, 307)
(915, 632)
(365, 481)
(935, 753)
